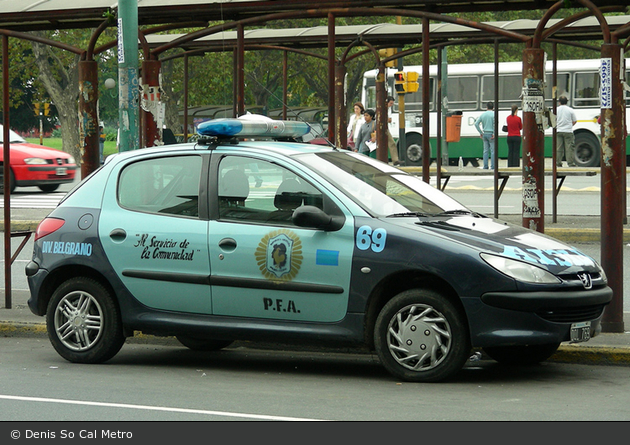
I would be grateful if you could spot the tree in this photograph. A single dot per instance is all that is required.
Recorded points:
(58, 72)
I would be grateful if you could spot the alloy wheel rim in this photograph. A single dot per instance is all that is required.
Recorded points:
(78, 321)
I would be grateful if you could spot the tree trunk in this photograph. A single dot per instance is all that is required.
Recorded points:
(61, 81)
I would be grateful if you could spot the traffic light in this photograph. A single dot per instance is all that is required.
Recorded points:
(412, 82)
(46, 109)
(400, 83)
(388, 52)
(36, 108)
(406, 82)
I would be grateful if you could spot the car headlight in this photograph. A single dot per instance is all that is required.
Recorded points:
(71, 160)
(520, 270)
(37, 161)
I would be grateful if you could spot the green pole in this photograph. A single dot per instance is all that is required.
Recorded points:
(128, 92)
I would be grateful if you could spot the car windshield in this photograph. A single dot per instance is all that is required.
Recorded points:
(380, 189)
(14, 138)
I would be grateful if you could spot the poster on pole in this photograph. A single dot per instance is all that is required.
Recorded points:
(605, 90)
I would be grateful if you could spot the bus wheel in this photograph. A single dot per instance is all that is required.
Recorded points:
(413, 155)
(587, 150)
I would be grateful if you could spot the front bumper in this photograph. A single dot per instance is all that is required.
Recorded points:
(527, 318)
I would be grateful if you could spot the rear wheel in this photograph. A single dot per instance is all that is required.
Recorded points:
(420, 336)
(522, 355)
(587, 150)
(83, 322)
(413, 153)
(203, 344)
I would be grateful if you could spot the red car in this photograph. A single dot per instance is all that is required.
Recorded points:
(35, 165)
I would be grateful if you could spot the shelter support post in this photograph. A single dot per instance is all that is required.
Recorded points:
(88, 110)
(533, 139)
(340, 101)
(332, 135)
(426, 108)
(613, 171)
(6, 176)
(239, 86)
(381, 114)
(151, 103)
(128, 92)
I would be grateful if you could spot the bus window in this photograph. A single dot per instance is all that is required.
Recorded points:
(510, 87)
(562, 90)
(413, 101)
(463, 92)
(586, 92)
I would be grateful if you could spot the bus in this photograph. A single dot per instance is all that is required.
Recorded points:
(469, 89)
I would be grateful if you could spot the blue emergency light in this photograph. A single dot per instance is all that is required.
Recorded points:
(253, 128)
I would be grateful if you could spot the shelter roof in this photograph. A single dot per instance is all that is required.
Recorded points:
(383, 34)
(30, 15)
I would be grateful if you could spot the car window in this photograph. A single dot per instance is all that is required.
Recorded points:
(254, 190)
(167, 185)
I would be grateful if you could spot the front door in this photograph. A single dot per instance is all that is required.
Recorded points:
(263, 266)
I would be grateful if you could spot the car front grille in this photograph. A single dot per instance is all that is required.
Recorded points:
(572, 315)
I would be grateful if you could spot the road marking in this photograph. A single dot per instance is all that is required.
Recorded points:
(35, 201)
(158, 408)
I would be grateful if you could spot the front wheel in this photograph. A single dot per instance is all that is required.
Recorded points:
(420, 336)
(48, 187)
(83, 322)
(522, 355)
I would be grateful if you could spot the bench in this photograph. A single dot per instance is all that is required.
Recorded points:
(503, 174)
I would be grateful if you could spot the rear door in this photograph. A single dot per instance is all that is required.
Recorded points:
(153, 235)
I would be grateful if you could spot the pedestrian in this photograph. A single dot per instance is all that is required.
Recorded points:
(514, 127)
(101, 143)
(565, 139)
(365, 132)
(485, 126)
(391, 144)
(354, 124)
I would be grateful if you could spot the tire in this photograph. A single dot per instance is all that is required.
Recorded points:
(48, 187)
(522, 355)
(413, 153)
(203, 344)
(11, 180)
(420, 336)
(83, 322)
(587, 150)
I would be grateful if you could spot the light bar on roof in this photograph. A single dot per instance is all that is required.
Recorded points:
(251, 128)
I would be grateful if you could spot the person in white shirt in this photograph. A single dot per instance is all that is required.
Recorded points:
(565, 139)
(354, 125)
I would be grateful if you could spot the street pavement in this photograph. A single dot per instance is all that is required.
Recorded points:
(605, 349)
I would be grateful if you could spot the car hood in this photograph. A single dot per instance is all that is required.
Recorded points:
(33, 150)
(490, 235)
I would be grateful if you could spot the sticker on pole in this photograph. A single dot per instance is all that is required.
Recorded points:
(605, 90)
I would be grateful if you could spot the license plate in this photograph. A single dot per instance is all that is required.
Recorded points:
(580, 331)
(62, 171)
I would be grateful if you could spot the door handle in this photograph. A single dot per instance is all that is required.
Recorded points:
(118, 235)
(227, 244)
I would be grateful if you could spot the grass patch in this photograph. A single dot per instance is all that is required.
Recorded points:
(57, 144)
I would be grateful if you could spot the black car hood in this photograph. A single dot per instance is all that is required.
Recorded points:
(501, 238)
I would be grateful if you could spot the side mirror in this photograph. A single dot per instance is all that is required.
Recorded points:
(316, 218)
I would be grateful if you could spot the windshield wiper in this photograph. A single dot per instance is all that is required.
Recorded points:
(460, 212)
(419, 214)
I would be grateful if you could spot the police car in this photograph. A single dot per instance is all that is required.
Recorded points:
(249, 235)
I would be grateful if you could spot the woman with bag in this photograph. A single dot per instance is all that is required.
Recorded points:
(513, 126)
(354, 125)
